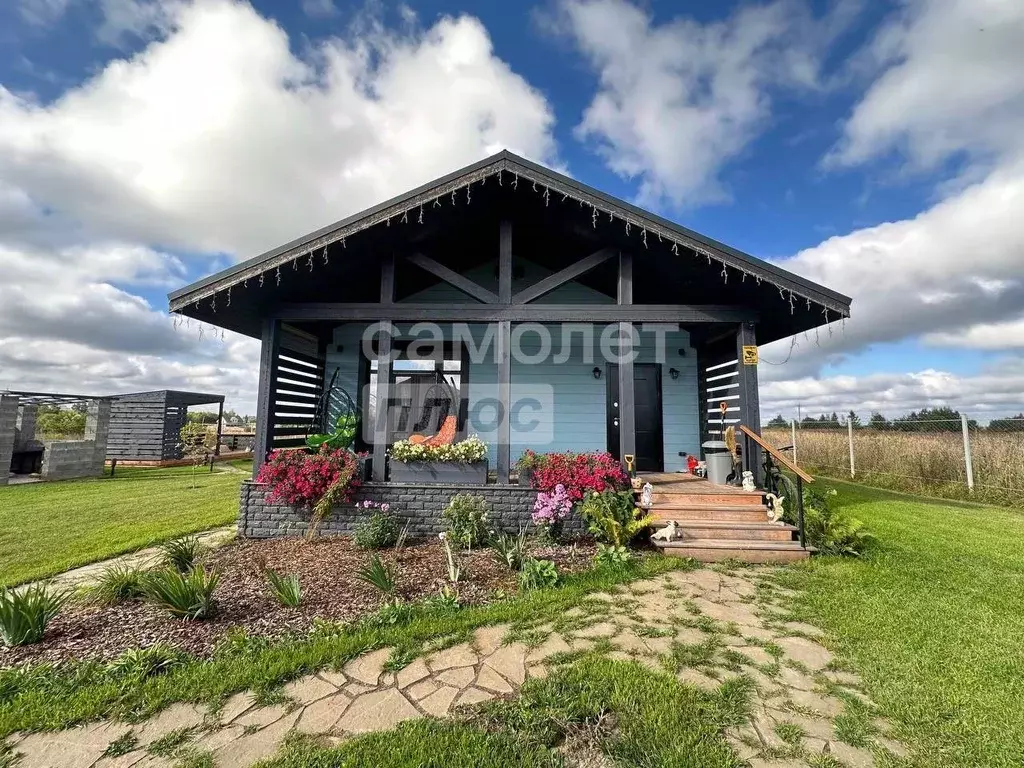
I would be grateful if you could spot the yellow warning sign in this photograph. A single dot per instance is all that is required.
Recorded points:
(749, 355)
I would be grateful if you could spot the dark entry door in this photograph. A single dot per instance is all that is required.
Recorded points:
(647, 414)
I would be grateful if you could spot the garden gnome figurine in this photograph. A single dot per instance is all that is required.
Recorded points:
(748, 481)
(646, 496)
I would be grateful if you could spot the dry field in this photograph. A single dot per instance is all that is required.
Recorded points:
(917, 462)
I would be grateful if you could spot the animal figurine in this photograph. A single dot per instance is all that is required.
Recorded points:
(775, 508)
(748, 481)
(647, 496)
(667, 533)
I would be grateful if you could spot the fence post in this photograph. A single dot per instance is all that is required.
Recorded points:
(849, 429)
(792, 437)
(968, 461)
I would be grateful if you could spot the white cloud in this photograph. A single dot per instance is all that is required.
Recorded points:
(1005, 335)
(950, 82)
(319, 9)
(219, 138)
(41, 12)
(676, 101)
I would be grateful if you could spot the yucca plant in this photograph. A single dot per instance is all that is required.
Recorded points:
(379, 575)
(117, 584)
(24, 613)
(285, 587)
(181, 554)
(508, 549)
(183, 595)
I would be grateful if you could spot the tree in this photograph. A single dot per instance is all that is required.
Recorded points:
(56, 423)
(878, 421)
(778, 422)
(853, 418)
(193, 446)
(941, 419)
(1012, 424)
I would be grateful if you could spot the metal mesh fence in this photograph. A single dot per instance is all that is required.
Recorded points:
(954, 458)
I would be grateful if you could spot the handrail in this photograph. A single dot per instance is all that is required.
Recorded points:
(776, 454)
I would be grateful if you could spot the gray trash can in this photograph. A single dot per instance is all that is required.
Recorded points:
(719, 461)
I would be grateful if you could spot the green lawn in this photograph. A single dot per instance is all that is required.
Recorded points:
(46, 528)
(933, 620)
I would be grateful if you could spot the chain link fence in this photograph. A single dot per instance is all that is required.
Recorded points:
(954, 457)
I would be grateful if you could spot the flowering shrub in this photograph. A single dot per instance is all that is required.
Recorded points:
(314, 480)
(577, 473)
(466, 520)
(466, 451)
(379, 529)
(552, 508)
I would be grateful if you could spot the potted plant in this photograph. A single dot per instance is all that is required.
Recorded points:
(463, 462)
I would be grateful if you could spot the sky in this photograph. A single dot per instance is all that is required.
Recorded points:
(877, 148)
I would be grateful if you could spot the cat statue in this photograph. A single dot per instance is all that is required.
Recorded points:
(748, 481)
(775, 508)
(667, 533)
(647, 496)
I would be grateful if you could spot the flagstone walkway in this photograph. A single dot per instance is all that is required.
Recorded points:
(721, 624)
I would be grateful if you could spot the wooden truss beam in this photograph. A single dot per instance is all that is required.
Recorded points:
(563, 276)
(453, 278)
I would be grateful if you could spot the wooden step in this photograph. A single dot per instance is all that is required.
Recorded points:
(731, 530)
(716, 550)
(706, 497)
(733, 512)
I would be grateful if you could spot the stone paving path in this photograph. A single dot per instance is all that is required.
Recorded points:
(703, 626)
(89, 574)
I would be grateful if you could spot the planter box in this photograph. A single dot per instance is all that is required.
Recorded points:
(451, 473)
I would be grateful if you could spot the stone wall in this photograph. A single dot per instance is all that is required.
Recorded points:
(421, 505)
(8, 427)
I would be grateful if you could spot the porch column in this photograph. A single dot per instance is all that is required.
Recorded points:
(627, 401)
(271, 346)
(220, 428)
(750, 413)
(8, 421)
(504, 360)
(385, 358)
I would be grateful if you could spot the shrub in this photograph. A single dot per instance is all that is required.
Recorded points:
(117, 584)
(24, 613)
(831, 530)
(466, 520)
(613, 517)
(377, 531)
(537, 574)
(185, 596)
(578, 473)
(378, 574)
(467, 451)
(509, 549)
(611, 556)
(139, 663)
(550, 509)
(284, 587)
(181, 554)
(316, 481)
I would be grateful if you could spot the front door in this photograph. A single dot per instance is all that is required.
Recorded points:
(647, 414)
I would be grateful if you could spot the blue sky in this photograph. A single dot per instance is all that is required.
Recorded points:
(874, 147)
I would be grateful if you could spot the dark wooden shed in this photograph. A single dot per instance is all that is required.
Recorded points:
(145, 426)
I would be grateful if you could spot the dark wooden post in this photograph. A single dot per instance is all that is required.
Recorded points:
(627, 401)
(385, 358)
(220, 428)
(269, 353)
(504, 360)
(749, 399)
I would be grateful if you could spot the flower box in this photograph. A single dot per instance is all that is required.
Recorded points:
(441, 472)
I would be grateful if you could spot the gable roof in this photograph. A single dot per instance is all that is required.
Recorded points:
(553, 183)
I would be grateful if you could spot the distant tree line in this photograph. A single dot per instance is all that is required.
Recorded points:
(941, 419)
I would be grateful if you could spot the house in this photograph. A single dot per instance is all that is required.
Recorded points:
(566, 320)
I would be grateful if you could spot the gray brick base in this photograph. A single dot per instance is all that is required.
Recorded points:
(421, 505)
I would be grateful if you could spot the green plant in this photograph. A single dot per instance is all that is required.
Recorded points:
(467, 451)
(447, 598)
(24, 613)
(537, 574)
(137, 664)
(122, 745)
(184, 595)
(378, 574)
(285, 587)
(193, 446)
(508, 549)
(377, 531)
(181, 554)
(830, 529)
(611, 556)
(465, 518)
(117, 584)
(454, 567)
(613, 517)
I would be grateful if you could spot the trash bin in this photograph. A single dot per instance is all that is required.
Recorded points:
(719, 461)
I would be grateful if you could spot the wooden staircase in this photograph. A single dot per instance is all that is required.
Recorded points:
(716, 523)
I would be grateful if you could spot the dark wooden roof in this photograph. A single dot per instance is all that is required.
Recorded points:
(173, 397)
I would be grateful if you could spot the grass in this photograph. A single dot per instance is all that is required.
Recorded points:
(595, 705)
(49, 698)
(47, 528)
(933, 621)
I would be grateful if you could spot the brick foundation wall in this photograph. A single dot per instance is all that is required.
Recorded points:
(421, 505)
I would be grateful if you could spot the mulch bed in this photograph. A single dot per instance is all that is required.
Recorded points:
(330, 591)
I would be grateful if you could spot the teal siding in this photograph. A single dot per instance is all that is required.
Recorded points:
(576, 420)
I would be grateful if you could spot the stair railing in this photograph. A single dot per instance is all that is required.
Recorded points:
(774, 455)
